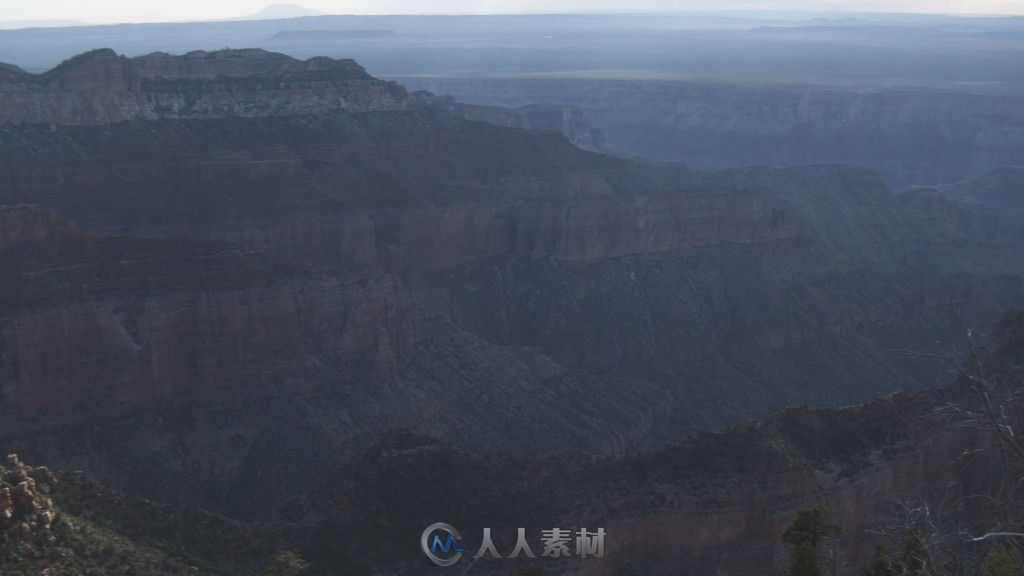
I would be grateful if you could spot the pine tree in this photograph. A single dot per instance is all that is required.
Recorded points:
(804, 536)
(881, 564)
(811, 527)
(804, 561)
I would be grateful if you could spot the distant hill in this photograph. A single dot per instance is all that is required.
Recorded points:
(280, 11)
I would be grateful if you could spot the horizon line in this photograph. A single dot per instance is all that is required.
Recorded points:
(74, 23)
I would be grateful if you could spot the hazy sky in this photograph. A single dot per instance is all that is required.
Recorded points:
(146, 10)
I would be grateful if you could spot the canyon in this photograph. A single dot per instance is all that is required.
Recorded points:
(225, 272)
(910, 135)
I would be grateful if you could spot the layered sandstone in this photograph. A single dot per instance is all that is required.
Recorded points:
(101, 87)
(195, 363)
(99, 327)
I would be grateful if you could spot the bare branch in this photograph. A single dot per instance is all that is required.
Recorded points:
(994, 535)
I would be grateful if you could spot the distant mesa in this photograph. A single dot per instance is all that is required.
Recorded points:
(100, 87)
(282, 11)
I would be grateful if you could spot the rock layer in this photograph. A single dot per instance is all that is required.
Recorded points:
(911, 136)
(198, 362)
(101, 87)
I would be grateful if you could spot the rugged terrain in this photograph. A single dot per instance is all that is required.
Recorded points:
(200, 363)
(712, 504)
(716, 503)
(276, 260)
(909, 135)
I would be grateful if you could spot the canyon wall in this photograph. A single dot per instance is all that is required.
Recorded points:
(261, 281)
(715, 503)
(101, 87)
(911, 136)
(194, 363)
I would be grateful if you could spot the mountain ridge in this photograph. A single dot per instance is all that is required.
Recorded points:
(100, 87)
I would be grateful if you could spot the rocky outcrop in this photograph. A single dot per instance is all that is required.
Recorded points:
(26, 508)
(76, 526)
(101, 87)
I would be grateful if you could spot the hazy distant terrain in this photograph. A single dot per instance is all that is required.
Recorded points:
(977, 54)
(922, 99)
(910, 135)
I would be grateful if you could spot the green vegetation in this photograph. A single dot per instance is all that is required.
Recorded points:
(805, 538)
(287, 564)
(1002, 560)
(76, 547)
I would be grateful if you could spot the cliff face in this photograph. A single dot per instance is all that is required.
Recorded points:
(194, 363)
(867, 273)
(526, 240)
(101, 87)
(400, 189)
(712, 504)
(910, 136)
(97, 327)
(567, 120)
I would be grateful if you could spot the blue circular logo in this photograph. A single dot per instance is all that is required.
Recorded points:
(441, 543)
